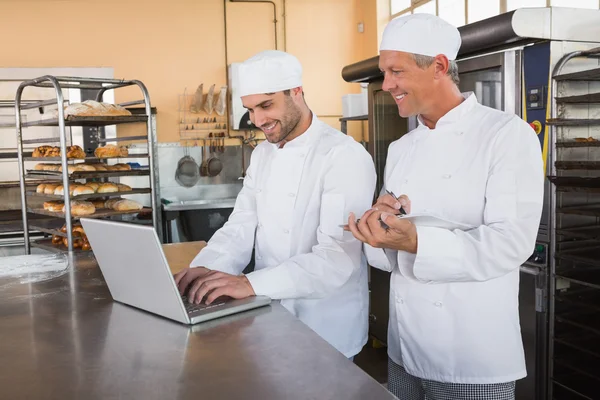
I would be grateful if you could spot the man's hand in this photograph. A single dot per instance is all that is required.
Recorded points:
(388, 204)
(215, 284)
(185, 277)
(401, 234)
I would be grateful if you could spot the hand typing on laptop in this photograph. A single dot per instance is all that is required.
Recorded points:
(202, 283)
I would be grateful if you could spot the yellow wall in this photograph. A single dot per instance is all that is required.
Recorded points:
(171, 45)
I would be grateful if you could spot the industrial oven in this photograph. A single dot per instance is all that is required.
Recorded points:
(507, 61)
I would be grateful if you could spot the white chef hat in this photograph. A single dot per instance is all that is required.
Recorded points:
(423, 34)
(269, 71)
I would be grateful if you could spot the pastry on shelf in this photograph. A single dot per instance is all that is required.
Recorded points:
(83, 189)
(110, 202)
(50, 188)
(111, 151)
(98, 203)
(91, 108)
(107, 188)
(54, 206)
(81, 208)
(126, 205)
(80, 239)
(93, 185)
(73, 152)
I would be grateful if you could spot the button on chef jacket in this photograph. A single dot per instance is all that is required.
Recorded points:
(290, 210)
(454, 305)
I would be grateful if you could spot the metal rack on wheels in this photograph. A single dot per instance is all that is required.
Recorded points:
(575, 228)
(64, 177)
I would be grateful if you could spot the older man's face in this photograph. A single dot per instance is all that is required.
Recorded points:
(411, 86)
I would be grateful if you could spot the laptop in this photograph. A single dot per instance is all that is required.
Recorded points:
(136, 272)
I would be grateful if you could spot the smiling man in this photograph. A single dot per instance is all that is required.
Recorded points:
(302, 184)
(454, 290)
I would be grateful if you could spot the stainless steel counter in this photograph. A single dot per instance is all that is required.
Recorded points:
(66, 339)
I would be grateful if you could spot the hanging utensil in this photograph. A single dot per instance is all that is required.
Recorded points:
(186, 173)
(211, 166)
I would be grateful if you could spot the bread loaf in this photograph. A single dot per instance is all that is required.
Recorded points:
(126, 205)
(50, 188)
(60, 190)
(80, 208)
(40, 188)
(110, 202)
(98, 203)
(54, 151)
(123, 167)
(83, 189)
(108, 188)
(124, 188)
(54, 206)
(84, 168)
(91, 108)
(93, 185)
(111, 151)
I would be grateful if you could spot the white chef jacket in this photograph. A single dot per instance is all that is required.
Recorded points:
(454, 305)
(291, 209)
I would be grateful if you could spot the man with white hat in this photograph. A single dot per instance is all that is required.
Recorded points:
(301, 185)
(471, 180)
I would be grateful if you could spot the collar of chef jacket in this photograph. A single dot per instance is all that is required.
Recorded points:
(456, 114)
(304, 139)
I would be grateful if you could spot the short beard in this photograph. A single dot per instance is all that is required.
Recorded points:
(289, 121)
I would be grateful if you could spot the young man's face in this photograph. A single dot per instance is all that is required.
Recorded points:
(276, 114)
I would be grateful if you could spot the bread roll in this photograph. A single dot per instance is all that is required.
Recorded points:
(126, 205)
(108, 188)
(54, 206)
(40, 188)
(50, 188)
(77, 242)
(83, 189)
(84, 167)
(110, 202)
(112, 168)
(93, 185)
(86, 245)
(91, 108)
(110, 151)
(75, 152)
(98, 203)
(59, 191)
(124, 188)
(70, 168)
(52, 167)
(80, 208)
(123, 167)
(57, 239)
(100, 167)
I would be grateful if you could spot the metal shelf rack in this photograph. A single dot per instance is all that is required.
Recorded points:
(574, 309)
(58, 84)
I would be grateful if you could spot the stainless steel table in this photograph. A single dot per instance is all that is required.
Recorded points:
(66, 339)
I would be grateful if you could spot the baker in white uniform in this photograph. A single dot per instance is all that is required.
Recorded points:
(301, 185)
(454, 320)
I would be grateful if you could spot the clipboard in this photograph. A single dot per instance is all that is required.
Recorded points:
(433, 221)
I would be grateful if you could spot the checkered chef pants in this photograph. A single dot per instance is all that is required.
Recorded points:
(407, 387)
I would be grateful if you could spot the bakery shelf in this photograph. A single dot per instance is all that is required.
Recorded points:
(46, 244)
(573, 143)
(145, 114)
(585, 75)
(578, 165)
(89, 121)
(92, 196)
(575, 181)
(56, 175)
(58, 159)
(580, 99)
(592, 210)
(101, 213)
(562, 388)
(583, 232)
(587, 255)
(50, 226)
(572, 122)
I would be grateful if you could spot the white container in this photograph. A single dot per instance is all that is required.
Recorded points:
(354, 105)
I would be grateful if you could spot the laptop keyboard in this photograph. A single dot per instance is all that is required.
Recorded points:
(191, 308)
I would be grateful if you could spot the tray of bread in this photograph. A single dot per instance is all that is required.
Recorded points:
(85, 170)
(97, 208)
(73, 152)
(52, 153)
(59, 234)
(89, 190)
(90, 113)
